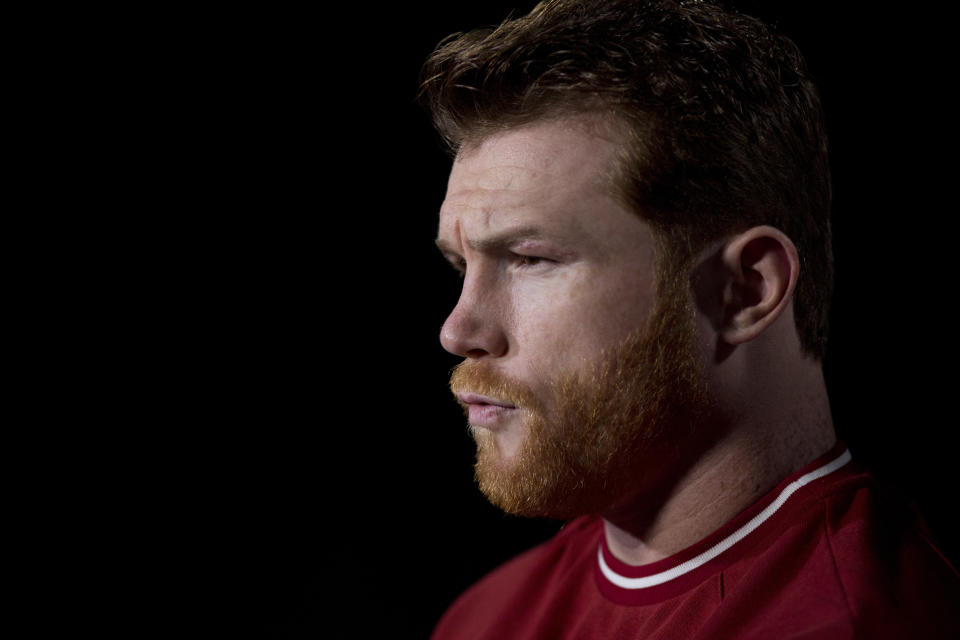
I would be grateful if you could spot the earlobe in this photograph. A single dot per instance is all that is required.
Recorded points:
(762, 266)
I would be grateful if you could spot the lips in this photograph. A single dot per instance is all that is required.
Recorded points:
(484, 411)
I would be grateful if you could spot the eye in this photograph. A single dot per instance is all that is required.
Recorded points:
(526, 262)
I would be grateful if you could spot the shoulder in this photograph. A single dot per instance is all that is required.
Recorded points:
(895, 580)
(510, 591)
(851, 558)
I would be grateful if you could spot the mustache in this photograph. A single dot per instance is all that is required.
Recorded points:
(480, 378)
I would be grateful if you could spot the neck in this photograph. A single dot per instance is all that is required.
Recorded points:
(724, 480)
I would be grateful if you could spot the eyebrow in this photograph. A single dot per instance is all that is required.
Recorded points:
(498, 240)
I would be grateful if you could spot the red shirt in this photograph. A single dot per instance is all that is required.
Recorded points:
(827, 554)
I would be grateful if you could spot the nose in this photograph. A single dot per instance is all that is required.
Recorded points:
(474, 328)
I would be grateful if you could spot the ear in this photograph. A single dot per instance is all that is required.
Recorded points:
(760, 267)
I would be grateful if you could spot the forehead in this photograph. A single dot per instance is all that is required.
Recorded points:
(554, 173)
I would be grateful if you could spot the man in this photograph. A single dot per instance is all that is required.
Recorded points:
(639, 208)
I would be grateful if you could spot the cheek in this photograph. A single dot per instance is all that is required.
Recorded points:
(567, 321)
(548, 324)
(609, 308)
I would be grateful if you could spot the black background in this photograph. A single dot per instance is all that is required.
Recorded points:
(306, 473)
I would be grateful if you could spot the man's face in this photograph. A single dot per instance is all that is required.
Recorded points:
(572, 364)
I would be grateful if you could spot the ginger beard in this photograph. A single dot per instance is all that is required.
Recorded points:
(598, 436)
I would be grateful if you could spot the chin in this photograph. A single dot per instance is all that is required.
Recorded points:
(502, 446)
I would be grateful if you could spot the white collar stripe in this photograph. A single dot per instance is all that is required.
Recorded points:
(726, 543)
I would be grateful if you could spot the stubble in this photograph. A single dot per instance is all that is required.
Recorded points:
(597, 437)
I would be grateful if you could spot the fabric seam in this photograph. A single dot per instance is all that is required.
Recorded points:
(836, 566)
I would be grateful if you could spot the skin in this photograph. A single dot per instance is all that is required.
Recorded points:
(555, 270)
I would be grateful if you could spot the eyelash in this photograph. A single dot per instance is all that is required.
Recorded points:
(528, 261)
(521, 261)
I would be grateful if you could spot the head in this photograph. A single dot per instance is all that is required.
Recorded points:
(670, 126)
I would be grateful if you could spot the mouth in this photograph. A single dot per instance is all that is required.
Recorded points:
(484, 411)
(476, 398)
